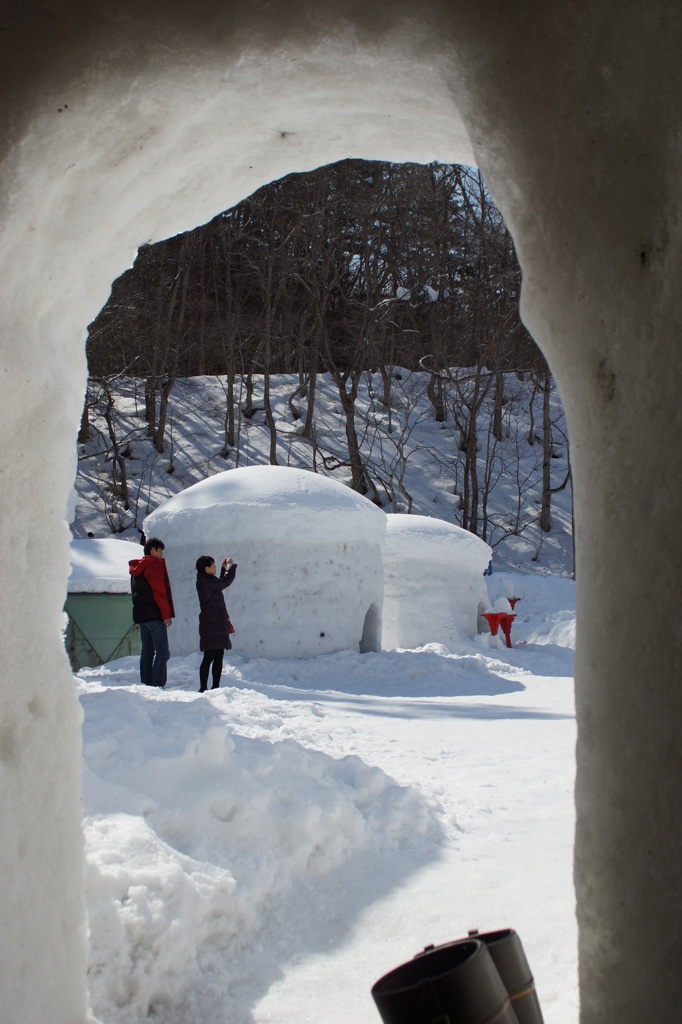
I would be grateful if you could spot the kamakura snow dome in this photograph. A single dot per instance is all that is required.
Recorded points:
(309, 554)
(433, 581)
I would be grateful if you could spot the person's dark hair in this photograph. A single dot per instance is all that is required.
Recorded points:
(203, 563)
(153, 542)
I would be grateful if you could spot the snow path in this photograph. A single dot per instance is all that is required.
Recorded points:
(337, 874)
(500, 770)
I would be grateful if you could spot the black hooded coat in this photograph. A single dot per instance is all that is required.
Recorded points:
(214, 622)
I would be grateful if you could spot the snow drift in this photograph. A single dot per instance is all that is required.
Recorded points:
(193, 831)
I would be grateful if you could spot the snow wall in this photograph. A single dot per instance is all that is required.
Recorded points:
(123, 130)
(433, 581)
(308, 550)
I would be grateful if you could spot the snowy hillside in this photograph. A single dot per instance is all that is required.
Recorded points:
(415, 463)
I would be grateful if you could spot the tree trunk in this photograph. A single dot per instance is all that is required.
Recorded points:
(166, 389)
(84, 431)
(471, 473)
(150, 405)
(546, 503)
(386, 398)
(201, 333)
(269, 418)
(498, 405)
(435, 391)
(310, 411)
(117, 461)
(248, 409)
(229, 429)
(531, 415)
(358, 472)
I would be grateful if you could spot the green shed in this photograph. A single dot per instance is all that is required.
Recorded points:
(99, 610)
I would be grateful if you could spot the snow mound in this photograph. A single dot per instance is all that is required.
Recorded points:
(424, 538)
(101, 566)
(280, 501)
(152, 910)
(204, 828)
(433, 582)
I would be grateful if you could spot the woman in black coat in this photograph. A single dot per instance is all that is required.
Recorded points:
(214, 622)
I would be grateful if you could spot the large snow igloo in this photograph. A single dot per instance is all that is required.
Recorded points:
(433, 581)
(309, 552)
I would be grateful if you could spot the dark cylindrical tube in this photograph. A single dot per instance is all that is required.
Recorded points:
(510, 959)
(453, 984)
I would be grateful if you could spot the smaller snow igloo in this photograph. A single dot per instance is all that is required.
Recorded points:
(310, 573)
(433, 581)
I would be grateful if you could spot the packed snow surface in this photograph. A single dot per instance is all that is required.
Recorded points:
(101, 566)
(266, 851)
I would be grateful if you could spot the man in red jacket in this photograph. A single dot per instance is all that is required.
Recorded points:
(153, 610)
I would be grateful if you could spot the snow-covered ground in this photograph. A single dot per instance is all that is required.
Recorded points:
(266, 851)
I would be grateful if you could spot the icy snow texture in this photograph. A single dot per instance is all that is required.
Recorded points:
(308, 549)
(101, 566)
(433, 582)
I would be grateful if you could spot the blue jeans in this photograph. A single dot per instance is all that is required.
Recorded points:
(155, 653)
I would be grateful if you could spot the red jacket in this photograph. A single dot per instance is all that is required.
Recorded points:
(150, 585)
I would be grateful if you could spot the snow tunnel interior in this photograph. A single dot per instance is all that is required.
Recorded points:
(371, 631)
(123, 132)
